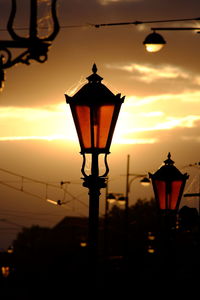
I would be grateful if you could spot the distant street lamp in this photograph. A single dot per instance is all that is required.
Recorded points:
(122, 200)
(144, 181)
(195, 194)
(168, 185)
(154, 42)
(95, 111)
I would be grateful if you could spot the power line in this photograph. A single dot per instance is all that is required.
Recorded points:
(46, 185)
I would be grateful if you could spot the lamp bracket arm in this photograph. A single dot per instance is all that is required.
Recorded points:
(36, 47)
(7, 60)
(174, 28)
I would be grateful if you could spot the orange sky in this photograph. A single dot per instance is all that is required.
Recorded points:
(160, 113)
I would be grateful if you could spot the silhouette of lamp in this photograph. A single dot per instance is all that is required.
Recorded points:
(154, 42)
(32, 46)
(95, 111)
(168, 185)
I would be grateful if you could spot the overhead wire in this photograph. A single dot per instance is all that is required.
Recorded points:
(21, 188)
(111, 24)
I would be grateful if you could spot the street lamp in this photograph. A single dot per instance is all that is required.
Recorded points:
(95, 111)
(144, 181)
(195, 194)
(168, 185)
(154, 42)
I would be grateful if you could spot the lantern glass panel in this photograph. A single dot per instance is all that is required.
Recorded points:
(102, 124)
(94, 125)
(161, 193)
(168, 193)
(174, 194)
(83, 123)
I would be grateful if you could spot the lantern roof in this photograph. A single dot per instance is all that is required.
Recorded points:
(168, 172)
(94, 91)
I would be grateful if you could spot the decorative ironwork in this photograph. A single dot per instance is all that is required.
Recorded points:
(36, 48)
(105, 163)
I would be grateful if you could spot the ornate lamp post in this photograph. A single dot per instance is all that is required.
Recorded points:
(95, 111)
(168, 185)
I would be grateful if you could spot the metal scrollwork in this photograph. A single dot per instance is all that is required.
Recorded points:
(84, 165)
(35, 48)
(5, 55)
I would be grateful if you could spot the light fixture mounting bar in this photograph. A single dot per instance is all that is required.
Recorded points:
(144, 22)
(174, 28)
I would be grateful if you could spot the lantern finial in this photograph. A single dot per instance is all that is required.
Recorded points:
(94, 68)
(169, 161)
(94, 78)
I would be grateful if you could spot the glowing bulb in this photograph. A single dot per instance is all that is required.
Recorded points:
(154, 47)
(154, 42)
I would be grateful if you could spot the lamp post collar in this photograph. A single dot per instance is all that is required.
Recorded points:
(94, 78)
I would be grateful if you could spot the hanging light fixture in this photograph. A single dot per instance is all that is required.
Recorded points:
(145, 181)
(154, 42)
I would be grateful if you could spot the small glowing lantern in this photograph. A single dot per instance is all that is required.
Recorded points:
(111, 198)
(145, 181)
(168, 184)
(154, 42)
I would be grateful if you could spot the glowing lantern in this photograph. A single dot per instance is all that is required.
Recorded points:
(95, 110)
(168, 184)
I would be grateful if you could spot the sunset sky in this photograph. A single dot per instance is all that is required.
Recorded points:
(160, 114)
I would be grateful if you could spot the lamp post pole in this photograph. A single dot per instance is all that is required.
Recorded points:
(94, 183)
(128, 184)
(168, 185)
(144, 181)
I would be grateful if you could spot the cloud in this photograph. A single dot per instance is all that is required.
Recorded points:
(182, 99)
(140, 118)
(28, 138)
(36, 123)
(161, 113)
(149, 73)
(173, 136)
(107, 2)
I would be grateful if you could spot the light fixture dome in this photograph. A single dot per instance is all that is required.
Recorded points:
(154, 42)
